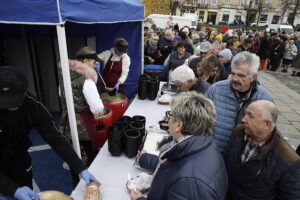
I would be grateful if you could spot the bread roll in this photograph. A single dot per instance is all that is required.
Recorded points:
(92, 191)
(54, 195)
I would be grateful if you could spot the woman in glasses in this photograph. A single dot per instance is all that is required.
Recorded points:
(191, 168)
(211, 70)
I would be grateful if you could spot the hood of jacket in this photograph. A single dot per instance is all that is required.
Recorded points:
(83, 69)
(188, 147)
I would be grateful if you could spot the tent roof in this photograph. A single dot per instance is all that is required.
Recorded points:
(60, 11)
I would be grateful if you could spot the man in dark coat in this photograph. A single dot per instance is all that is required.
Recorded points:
(260, 163)
(164, 48)
(191, 168)
(185, 80)
(276, 53)
(19, 113)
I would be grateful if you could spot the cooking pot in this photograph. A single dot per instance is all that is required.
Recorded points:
(117, 103)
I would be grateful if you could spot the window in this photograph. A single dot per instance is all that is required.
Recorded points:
(238, 17)
(263, 18)
(279, 3)
(214, 2)
(225, 17)
(275, 19)
(241, 2)
(228, 1)
(201, 16)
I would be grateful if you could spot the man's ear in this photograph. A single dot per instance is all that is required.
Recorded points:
(179, 126)
(254, 76)
(269, 123)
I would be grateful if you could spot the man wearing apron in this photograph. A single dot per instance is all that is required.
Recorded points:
(116, 62)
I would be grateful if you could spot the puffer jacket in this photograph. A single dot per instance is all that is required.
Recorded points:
(222, 94)
(194, 170)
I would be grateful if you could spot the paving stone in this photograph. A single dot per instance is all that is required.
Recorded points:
(288, 100)
(296, 125)
(291, 117)
(282, 120)
(287, 129)
(280, 102)
(286, 109)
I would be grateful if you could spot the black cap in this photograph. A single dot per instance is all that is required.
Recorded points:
(121, 45)
(13, 86)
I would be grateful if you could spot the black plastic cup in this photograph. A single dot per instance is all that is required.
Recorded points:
(126, 119)
(143, 87)
(153, 87)
(115, 135)
(139, 118)
(139, 126)
(132, 142)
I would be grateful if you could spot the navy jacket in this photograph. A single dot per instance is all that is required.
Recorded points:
(194, 170)
(273, 175)
(200, 86)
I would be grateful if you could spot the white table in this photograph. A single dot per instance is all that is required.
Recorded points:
(112, 171)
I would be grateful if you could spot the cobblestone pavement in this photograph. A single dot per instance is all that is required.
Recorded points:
(286, 92)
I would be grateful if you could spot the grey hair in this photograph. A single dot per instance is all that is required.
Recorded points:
(269, 111)
(195, 111)
(182, 74)
(245, 57)
(168, 31)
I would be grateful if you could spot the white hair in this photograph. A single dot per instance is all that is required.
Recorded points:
(245, 57)
(154, 37)
(168, 31)
(183, 74)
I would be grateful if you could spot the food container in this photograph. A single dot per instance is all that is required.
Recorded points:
(117, 103)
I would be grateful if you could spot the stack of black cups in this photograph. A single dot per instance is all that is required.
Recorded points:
(148, 87)
(126, 135)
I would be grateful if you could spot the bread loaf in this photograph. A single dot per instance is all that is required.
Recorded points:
(54, 195)
(92, 191)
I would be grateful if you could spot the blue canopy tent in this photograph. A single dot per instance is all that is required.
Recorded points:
(113, 18)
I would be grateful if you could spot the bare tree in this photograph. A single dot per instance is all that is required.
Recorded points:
(173, 5)
(285, 7)
(262, 6)
(295, 11)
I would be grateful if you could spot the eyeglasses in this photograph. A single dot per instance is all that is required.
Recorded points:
(168, 114)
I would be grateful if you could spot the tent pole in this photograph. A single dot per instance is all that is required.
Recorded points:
(142, 60)
(63, 52)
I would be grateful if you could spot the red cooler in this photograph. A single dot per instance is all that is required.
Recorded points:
(103, 121)
(117, 103)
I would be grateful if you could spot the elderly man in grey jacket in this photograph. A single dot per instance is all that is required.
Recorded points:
(231, 97)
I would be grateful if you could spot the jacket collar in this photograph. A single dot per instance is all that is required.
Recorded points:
(188, 147)
(197, 84)
(265, 149)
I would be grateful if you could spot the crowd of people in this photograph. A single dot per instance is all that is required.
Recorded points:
(223, 122)
(277, 51)
(224, 145)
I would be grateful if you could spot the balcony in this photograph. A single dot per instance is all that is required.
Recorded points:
(202, 5)
(251, 6)
(214, 6)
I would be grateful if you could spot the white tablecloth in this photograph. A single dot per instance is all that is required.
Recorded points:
(111, 171)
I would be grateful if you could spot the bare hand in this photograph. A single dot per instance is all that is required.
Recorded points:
(135, 194)
(140, 153)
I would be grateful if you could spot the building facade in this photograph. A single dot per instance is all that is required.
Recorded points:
(236, 11)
